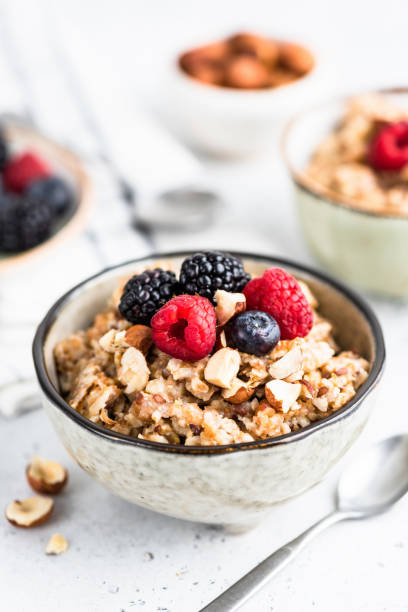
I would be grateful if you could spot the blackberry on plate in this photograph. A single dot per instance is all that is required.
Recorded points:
(3, 149)
(23, 224)
(145, 293)
(204, 273)
(53, 190)
(253, 332)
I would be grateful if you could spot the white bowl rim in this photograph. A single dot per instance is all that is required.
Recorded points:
(56, 399)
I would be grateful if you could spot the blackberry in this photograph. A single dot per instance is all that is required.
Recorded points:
(53, 190)
(204, 273)
(23, 224)
(145, 293)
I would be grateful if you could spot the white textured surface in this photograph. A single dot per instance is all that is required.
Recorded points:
(123, 46)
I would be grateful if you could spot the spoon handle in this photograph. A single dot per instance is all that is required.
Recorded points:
(234, 597)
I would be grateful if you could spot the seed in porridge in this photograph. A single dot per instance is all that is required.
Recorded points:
(196, 429)
(341, 371)
(322, 391)
(205, 273)
(145, 293)
(185, 327)
(253, 332)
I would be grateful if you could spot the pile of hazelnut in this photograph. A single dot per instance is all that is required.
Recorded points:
(247, 61)
(46, 478)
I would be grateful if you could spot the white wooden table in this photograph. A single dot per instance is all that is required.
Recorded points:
(122, 558)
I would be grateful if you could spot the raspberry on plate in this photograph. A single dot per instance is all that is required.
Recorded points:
(389, 149)
(280, 295)
(185, 327)
(22, 169)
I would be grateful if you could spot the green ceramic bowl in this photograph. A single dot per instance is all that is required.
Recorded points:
(368, 250)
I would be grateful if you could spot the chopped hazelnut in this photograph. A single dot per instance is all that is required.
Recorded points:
(57, 544)
(290, 363)
(282, 395)
(228, 305)
(46, 476)
(222, 368)
(140, 337)
(30, 512)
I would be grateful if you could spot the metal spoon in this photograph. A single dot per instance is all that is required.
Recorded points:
(370, 485)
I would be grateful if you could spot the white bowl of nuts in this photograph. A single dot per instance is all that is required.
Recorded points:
(208, 386)
(230, 97)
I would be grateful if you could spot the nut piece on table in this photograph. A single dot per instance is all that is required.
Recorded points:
(46, 476)
(30, 512)
(282, 395)
(57, 544)
(222, 368)
(290, 363)
(228, 305)
(238, 392)
(133, 371)
(140, 337)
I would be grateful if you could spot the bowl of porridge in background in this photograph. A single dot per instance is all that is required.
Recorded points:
(229, 97)
(349, 163)
(212, 478)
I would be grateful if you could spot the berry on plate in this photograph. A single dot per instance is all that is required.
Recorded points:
(53, 190)
(145, 293)
(280, 295)
(185, 327)
(253, 332)
(205, 273)
(23, 224)
(389, 149)
(22, 169)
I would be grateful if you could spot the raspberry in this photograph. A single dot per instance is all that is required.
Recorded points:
(22, 170)
(280, 295)
(185, 327)
(389, 149)
(253, 293)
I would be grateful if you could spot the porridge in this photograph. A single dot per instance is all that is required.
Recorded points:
(364, 161)
(211, 357)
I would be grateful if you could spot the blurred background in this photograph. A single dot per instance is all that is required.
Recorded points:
(98, 77)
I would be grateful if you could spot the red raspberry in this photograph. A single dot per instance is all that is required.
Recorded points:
(253, 292)
(279, 294)
(22, 170)
(185, 327)
(389, 149)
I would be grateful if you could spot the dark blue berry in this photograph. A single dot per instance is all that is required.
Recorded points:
(253, 332)
(23, 224)
(52, 190)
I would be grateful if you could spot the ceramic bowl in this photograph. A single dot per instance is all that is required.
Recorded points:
(234, 485)
(66, 164)
(368, 250)
(235, 122)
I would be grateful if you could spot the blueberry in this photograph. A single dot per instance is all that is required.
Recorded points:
(52, 190)
(253, 332)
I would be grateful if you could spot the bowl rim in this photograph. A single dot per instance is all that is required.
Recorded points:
(303, 182)
(56, 399)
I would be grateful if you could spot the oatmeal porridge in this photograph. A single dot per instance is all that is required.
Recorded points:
(207, 358)
(364, 160)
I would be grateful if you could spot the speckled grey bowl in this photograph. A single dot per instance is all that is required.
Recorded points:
(233, 485)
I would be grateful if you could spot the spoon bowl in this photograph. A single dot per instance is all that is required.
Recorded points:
(376, 479)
